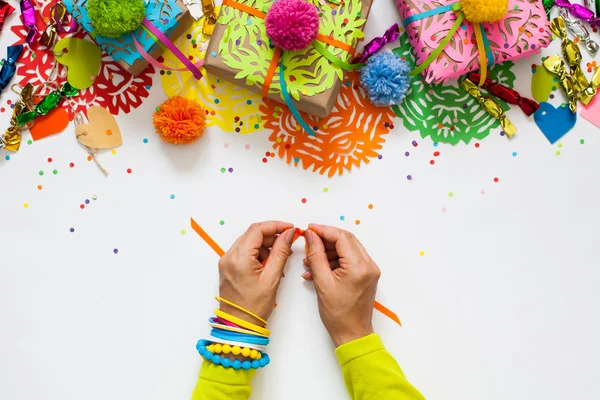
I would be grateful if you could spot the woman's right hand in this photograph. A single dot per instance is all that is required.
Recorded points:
(345, 279)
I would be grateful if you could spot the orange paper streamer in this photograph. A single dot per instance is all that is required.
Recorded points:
(299, 232)
(271, 72)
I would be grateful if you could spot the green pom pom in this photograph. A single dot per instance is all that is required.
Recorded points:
(114, 18)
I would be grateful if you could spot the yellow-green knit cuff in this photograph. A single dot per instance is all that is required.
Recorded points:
(359, 348)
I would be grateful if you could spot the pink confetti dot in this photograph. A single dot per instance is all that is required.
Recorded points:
(247, 147)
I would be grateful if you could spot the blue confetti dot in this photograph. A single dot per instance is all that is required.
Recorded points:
(213, 54)
(296, 160)
(148, 87)
(435, 144)
(342, 218)
(249, 22)
(256, 126)
(172, 196)
(514, 153)
(145, 140)
(217, 101)
(248, 102)
(7, 158)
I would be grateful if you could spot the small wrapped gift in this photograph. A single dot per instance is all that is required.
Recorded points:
(240, 51)
(519, 31)
(169, 17)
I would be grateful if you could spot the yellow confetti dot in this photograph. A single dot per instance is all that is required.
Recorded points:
(183, 232)
(26, 205)
(114, 151)
(558, 152)
(559, 145)
(422, 253)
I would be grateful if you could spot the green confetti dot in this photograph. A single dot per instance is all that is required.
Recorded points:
(451, 194)
(558, 152)
(223, 170)
(29, 142)
(193, 41)
(41, 173)
(55, 172)
(183, 232)
(279, 140)
(157, 109)
(325, 190)
(559, 145)
(33, 55)
(221, 222)
(581, 141)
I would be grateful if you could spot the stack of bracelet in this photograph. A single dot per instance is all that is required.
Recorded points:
(233, 335)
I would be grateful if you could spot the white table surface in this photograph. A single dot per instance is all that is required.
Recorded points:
(502, 305)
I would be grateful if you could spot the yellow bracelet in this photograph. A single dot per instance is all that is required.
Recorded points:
(244, 324)
(222, 300)
(219, 348)
(233, 329)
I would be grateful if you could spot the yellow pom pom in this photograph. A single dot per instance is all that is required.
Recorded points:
(211, 348)
(218, 348)
(235, 350)
(245, 352)
(484, 10)
(226, 349)
(259, 356)
(253, 354)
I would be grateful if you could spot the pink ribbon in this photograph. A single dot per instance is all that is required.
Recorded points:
(157, 63)
(377, 44)
(193, 68)
(579, 11)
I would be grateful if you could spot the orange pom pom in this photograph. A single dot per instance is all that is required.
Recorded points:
(179, 120)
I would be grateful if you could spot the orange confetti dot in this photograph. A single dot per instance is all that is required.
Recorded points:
(39, 187)
(466, 41)
(440, 126)
(89, 158)
(370, 206)
(575, 39)
(109, 132)
(594, 63)
(521, 29)
(357, 222)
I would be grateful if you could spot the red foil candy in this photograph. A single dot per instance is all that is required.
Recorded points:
(508, 95)
(5, 10)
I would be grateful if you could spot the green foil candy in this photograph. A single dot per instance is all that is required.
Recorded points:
(548, 4)
(46, 105)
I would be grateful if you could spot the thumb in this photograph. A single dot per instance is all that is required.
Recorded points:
(281, 251)
(316, 256)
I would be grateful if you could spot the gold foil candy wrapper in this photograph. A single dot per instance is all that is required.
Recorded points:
(577, 28)
(556, 66)
(12, 137)
(571, 53)
(588, 94)
(490, 106)
(51, 33)
(210, 17)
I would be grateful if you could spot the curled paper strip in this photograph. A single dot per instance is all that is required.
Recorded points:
(12, 137)
(571, 54)
(29, 20)
(49, 102)
(579, 11)
(489, 106)
(377, 44)
(507, 94)
(588, 94)
(556, 66)
(576, 27)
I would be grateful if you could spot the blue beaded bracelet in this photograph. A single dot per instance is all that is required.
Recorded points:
(239, 337)
(228, 362)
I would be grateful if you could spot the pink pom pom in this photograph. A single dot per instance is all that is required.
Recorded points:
(292, 24)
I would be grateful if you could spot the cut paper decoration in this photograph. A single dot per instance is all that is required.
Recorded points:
(213, 245)
(82, 58)
(446, 113)
(348, 137)
(591, 112)
(54, 122)
(102, 131)
(114, 89)
(543, 83)
(231, 107)
(554, 122)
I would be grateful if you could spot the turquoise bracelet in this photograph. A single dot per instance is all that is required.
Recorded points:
(228, 362)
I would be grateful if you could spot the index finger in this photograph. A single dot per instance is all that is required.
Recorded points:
(257, 232)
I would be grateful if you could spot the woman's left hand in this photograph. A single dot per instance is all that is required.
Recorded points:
(244, 280)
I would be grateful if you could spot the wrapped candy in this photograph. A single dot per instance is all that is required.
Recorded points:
(49, 102)
(489, 106)
(507, 94)
(29, 20)
(8, 69)
(5, 10)
(557, 66)
(579, 11)
(571, 54)
(377, 44)
(576, 27)
(12, 137)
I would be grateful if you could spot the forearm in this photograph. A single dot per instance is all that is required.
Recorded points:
(371, 373)
(218, 383)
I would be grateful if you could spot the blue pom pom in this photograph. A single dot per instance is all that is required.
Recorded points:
(385, 78)
(237, 364)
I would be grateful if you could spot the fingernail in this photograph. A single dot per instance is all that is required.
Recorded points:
(289, 236)
(304, 275)
(305, 261)
(308, 234)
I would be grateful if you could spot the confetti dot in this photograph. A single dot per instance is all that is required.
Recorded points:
(172, 196)
(114, 152)
(431, 162)
(443, 209)
(89, 158)
(379, 156)
(496, 180)
(39, 187)
(436, 153)
(55, 172)
(87, 201)
(421, 253)
(109, 132)
(223, 170)
(26, 205)
(559, 145)
(41, 173)
(129, 170)
(145, 140)
(29, 142)
(72, 230)
(214, 54)
(82, 206)
(71, 165)
(230, 170)
(325, 190)
(407, 154)
(476, 145)
(183, 232)
(303, 201)
(581, 141)
(435, 144)
(7, 158)
(357, 222)
(514, 153)
(451, 194)
(558, 152)
(482, 191)
(116, 251)
(226, 145)
(49, 160)
(414, 143)
(370, 206)
(342, 218)
(247, 147)
(264, 160)
(221, 222)
(409, 177)
(94, 197)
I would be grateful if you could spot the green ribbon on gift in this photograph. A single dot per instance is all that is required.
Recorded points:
(46, 105)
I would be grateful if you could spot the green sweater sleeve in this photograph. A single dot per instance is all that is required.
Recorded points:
(371, 373)
(218, 383)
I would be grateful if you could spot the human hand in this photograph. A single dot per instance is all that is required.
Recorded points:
(243, 278)
(345, 280)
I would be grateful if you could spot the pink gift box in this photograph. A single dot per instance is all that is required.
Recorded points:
(525, 30)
